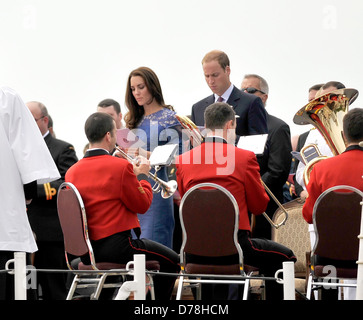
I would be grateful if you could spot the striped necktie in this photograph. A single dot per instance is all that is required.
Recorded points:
(220, 99)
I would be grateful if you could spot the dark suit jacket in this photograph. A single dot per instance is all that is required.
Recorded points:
(42, 211)
(249, 108)
(276, 162)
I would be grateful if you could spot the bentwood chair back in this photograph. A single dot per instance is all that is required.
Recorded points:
(209, 218)
(336, 218)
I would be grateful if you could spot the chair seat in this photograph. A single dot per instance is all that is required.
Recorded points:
(233, 269)
(340, 272)
(212, 269)
(249, 269)
(150, 265)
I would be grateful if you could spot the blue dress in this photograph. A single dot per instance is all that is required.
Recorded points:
(156, 129)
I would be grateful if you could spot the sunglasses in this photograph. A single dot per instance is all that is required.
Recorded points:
(36, 120)
(252, 90)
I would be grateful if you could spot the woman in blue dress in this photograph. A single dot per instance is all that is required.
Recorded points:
(155, 124)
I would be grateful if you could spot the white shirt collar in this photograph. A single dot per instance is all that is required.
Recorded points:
(91, 149)
(225, 95)
(45, 134)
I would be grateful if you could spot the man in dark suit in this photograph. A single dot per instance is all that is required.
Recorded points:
(249, 109)
(275, 163)
(43, 215)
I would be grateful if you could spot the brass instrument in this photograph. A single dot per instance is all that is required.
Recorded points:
(309, 164)
(192, 129)
(326, 114)
(167, 189)
(198, 139)
(276, 226)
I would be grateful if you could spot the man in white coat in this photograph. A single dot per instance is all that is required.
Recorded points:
(25, 161)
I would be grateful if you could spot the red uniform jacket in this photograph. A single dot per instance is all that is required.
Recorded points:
(235, 169)
(344, 169)
(111, 193)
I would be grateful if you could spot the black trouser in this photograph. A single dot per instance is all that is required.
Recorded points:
(268, 256)
(120, 248)
(264, 254)
(331, 293)
(50, 255)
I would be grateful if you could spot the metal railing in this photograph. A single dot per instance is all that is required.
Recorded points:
(137, 285)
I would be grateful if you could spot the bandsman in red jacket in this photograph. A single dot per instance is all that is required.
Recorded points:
(217, 160)
(114, 191)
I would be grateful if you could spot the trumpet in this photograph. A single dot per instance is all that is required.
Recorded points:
(166, 189)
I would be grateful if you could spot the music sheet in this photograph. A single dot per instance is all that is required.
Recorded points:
(255, 143)
(163, 155)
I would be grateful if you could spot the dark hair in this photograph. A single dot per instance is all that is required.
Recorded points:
(335, 84)
(97, 125)
(353, 125)
(135, 112)
(110, 102)
(217, 115)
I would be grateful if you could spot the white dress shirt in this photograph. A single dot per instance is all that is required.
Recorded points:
(225, 95)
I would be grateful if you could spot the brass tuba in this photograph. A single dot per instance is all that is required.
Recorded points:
(326, 114)
(312, 162)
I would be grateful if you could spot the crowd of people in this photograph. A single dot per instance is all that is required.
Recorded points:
(130, 218)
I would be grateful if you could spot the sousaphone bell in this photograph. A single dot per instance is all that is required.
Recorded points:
(326, 114)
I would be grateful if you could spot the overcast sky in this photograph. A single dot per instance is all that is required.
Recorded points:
(72, 54)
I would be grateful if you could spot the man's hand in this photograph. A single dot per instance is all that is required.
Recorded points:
(141, 165)
(303, 195)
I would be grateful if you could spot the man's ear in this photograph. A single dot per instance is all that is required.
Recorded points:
(108, 136)
(46, 120)
(229, 124)
(228, 70)
(345, 139)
